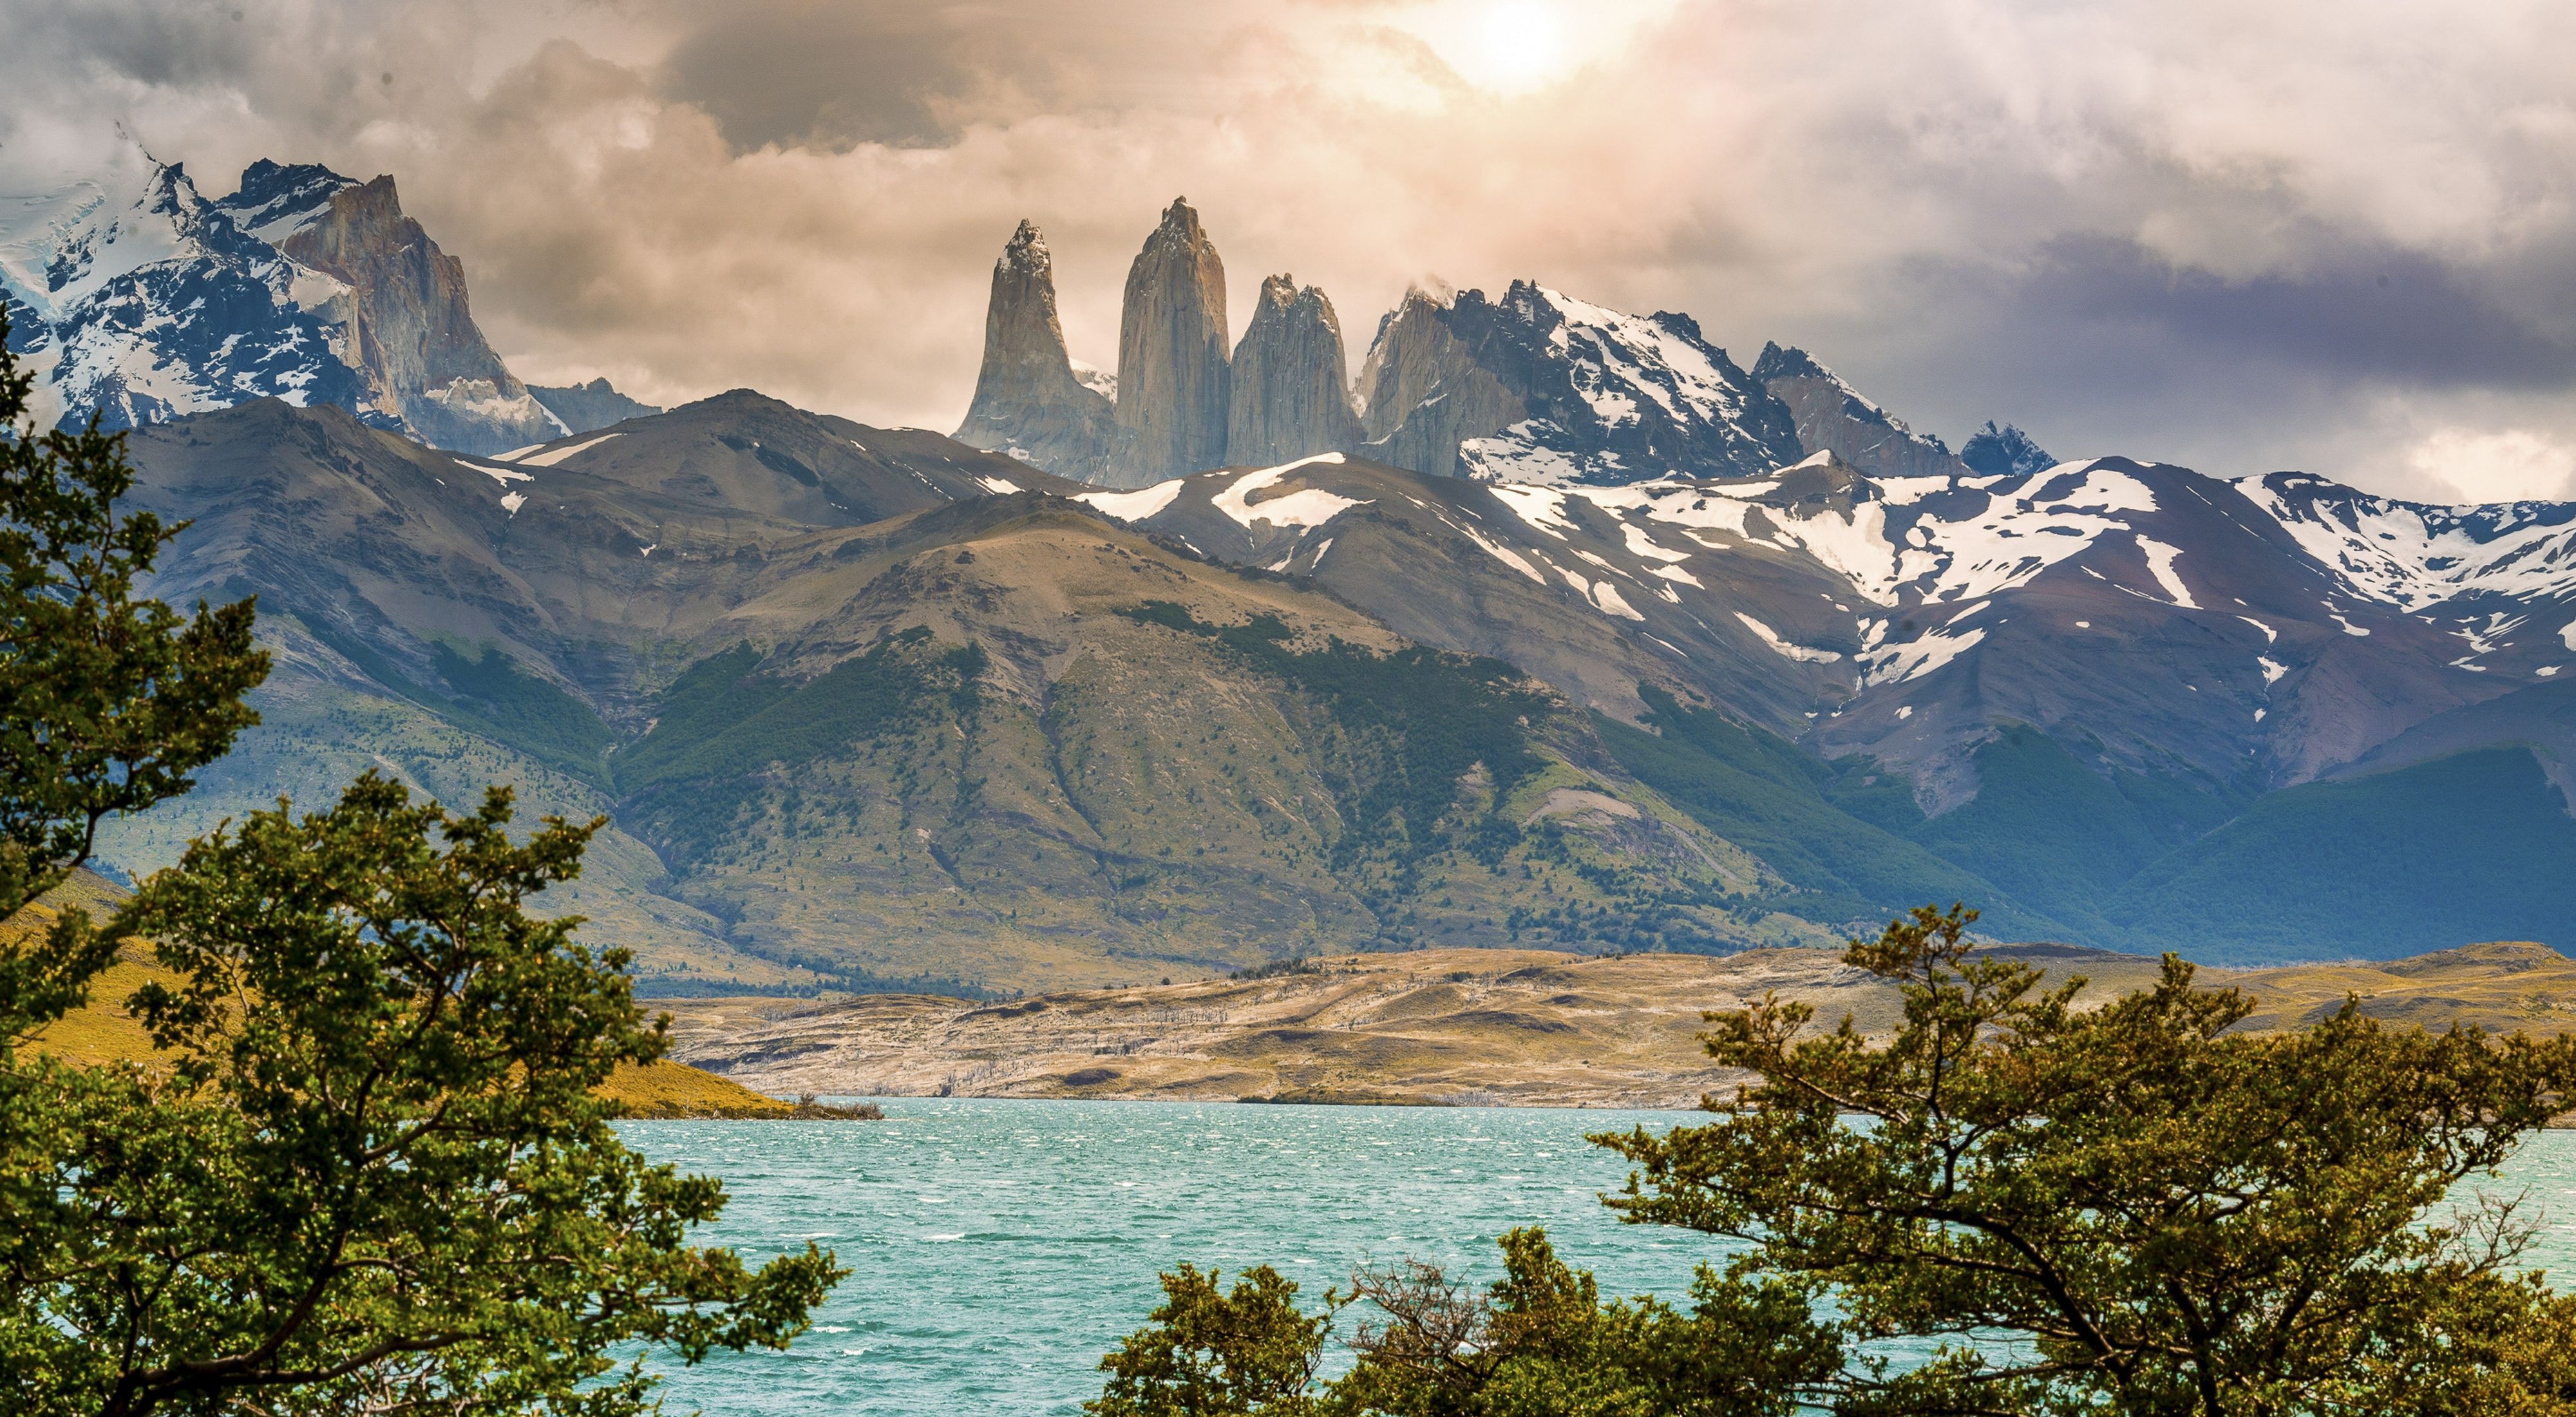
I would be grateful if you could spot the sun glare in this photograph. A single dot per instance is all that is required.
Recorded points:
(1515, 46)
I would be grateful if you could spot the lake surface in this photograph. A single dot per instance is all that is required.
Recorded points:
(1000, 1247)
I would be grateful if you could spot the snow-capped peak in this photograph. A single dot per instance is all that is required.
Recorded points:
(1565, 391)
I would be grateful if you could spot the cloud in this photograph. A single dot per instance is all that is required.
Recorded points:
(2241, 237)
(2514, 464)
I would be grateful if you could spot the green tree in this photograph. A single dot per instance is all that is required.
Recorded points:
(1208, 1350)
(2130, 1208)
(2015, 1205)
(363, 1171)
(108, 699)
(1537, 1343)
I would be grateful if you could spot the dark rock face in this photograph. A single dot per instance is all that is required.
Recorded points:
(2005, 451)
(410, 333)
(1833, 417)
(1540, 387)
(1173, 399)
(583, 407)
(1028, 403)
(1290, 380)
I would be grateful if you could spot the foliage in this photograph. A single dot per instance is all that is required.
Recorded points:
(1537, 1343)
(2131, 1209)
(1272, 969)
(1207, 1350)
(364, 1170)
(108, 700)
(2163, 1215)
(722, 726)
(1765, 795)
(2469, 847)
(2061, 836)
(505, 703)
(494, 698)
(374, 1173)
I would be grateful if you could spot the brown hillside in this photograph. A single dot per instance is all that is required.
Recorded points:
(1499, 1027)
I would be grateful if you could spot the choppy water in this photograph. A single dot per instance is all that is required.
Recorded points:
(1000, 1248)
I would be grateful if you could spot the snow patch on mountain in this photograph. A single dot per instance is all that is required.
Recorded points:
(1780, 645)
(558, 455)
(1139, 505)
(1307, 507)
(1912, 659)
(1542, 507)
(2160, 564)
(1497, 550)
(2414, 554)
(1607, 597)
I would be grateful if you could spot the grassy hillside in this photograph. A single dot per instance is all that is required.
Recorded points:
(1195, 786)
(1779, 803)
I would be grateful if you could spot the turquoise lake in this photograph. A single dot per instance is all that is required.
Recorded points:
(999, 1248)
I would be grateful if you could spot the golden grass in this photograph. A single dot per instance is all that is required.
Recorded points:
(103, 1032)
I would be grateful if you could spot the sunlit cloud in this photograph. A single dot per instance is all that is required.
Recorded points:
(2512, 464)
(2239, 238)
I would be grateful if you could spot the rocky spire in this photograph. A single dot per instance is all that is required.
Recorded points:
(411, 333)
(1291, 383)
(1172, 401)
(1027, 400)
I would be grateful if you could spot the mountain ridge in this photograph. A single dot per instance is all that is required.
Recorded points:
(989, 699)
(133, 297)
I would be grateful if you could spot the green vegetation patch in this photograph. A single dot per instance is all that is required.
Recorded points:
(723, 725)
(1766, 795)
(2477, 846)
(494, 697)
(1410, 725)
(2059, 836)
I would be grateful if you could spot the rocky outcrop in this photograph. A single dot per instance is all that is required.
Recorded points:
(1028, 401)
(1832, 417)
(2006, 451)
(1424, 388)
(584, 407)
(1291, 382)
(1540, 387)
(1172, 388)
(410, 334)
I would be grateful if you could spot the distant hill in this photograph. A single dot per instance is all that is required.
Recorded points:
(1485, 1027)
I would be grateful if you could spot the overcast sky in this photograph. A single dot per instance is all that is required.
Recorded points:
(2338, 235)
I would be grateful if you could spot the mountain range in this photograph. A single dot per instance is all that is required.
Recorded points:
(1553, 626)
(133, 297)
